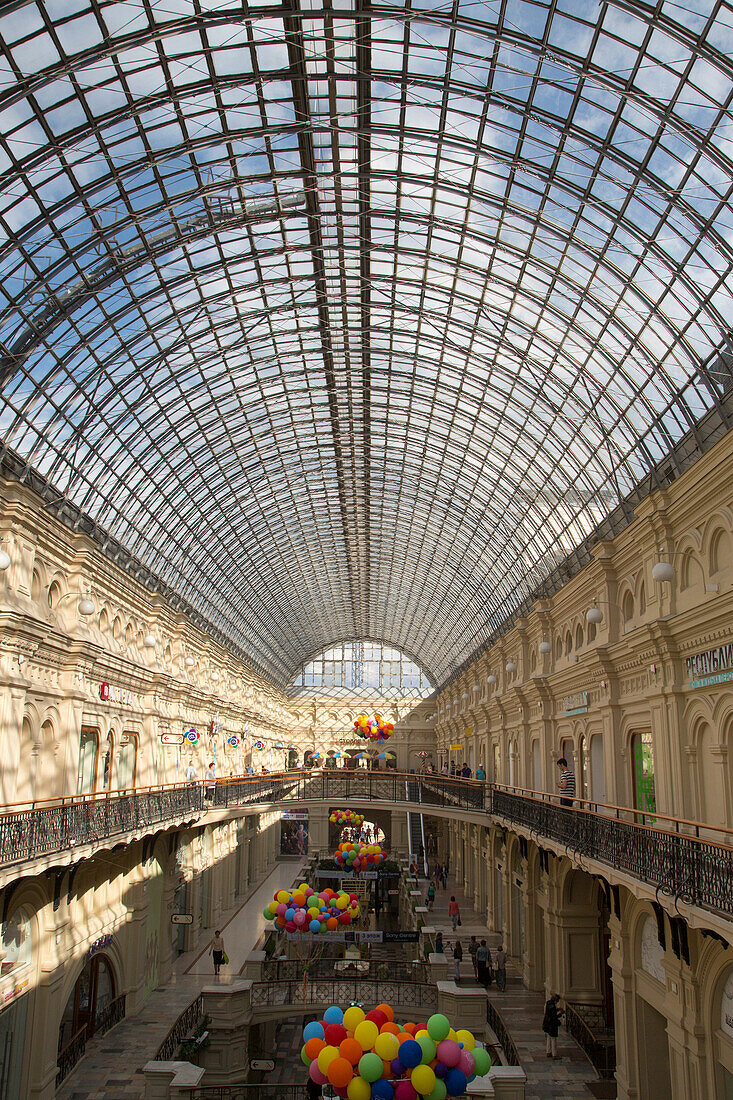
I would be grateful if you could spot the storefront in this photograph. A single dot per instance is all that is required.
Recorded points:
(15, 970)
(294, 833)
(94, 990)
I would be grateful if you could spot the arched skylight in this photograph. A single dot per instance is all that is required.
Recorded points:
(366, 668)
(354, 321)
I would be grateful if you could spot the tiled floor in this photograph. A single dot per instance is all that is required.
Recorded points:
(112, 1067)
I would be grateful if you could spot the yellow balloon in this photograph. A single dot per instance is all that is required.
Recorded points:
(466, 1038)
(283, 896)
(386, 1046)
(422, 1031)
(342, 902)
(422, 1079)
(365, 1034)
(352, 1018)
(325, 1057)
(452, 1035)
(358, 1089)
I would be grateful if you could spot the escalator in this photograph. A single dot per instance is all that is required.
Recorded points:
(416, 837)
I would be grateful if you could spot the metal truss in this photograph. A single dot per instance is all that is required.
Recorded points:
(355, 321)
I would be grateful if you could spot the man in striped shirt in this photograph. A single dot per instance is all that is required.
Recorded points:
(566, 786)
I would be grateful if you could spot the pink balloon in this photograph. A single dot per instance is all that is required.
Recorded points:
(316, 1074)
(449, 1052)
(300, 917)
(281, 909)
(291, 926)
(404, 1090)
(467, 1062)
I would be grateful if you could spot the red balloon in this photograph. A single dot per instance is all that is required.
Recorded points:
(377, 1016)
(335, 1034)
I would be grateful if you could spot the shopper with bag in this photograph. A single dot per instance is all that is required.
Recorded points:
(218, 953)
(454, 912)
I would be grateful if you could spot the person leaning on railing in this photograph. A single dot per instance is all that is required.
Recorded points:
(566, 785)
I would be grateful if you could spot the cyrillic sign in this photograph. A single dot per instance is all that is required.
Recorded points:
(714, 666)
(575, 704)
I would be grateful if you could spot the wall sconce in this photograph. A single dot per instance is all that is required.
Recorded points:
(545, 646)
(511, 666)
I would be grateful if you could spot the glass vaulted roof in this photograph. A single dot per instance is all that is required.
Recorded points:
(351, 321)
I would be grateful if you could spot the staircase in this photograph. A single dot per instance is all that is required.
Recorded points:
(416, 836)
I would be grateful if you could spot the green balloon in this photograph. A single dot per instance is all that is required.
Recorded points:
(370, 1067)
(267, 914)
(439, 1092)
(304, 1057)
(438, 1027)
(482, 1061)
(428, 1049)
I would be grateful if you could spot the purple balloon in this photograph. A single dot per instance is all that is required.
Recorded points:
(440, 1069)
(397, 1068)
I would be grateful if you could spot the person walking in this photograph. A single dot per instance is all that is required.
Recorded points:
(313, 1090)
(480, 773)
(501, 968)
(191, 774)
(457, 960)
(454, 912)
(483, 964)
(439, 948)
(217, 952)
(551, 1024)
(210, 781)
(444, 875)
(472, 949)
(431, 897)
(566, 784)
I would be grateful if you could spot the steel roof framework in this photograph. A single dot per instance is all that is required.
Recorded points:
(351, 322)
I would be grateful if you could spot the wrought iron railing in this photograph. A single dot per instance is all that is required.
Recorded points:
(279, 970)
(504, 1039)
(677, 863)
(601, 1050)
(324, 991)
(76, 1048)
(184, 1025)
(48, 827)
(70, 1055)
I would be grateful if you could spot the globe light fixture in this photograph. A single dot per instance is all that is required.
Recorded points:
(545, 646)
(214, 676)
(4, 560)
(149, 641)
(86, 605)
(594, 614)
(491, 679)
(663, 572)
(190, 662)
(511, 666)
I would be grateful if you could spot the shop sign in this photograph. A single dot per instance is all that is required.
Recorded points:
(98, 945)
(456, 748)
(113, 694)
(182, 918)
(468, 730)
(294, 815)
(575, 704)
(16, 990)
(171, 739)
(714, 666)
(264, 1065)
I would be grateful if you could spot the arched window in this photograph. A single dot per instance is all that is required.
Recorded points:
(103, 621)
(93, 992)
(117, 628)
(642, 599)
(88, 756)
(578, 636)
(360, 665)
(558, 649)
(591, 632)
(687, 571)
(127, 762)
(129, 634)
(36, 586)
(54, 594)
(568, 643)
(627, 607)
(719, 551)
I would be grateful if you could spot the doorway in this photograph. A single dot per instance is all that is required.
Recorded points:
(654, 1076)
(93, 991)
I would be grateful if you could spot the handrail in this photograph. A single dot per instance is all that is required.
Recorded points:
(499, 1028)
(188, 1019)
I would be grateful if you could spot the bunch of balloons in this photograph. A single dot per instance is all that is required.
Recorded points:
(357, 857)
(373, 729)
(367, 1056)
(345, 818)
(304, 910)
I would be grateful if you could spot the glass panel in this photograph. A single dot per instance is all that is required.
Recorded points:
(87, 777)
(643, 776)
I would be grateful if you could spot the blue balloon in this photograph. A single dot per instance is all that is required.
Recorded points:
(333, 1015)
(455, 1081)
(289, 914)
(315, 926)
(313, 1030)
(410, 1053)
(397, 1067)
(440, 1069)
(382, 1090)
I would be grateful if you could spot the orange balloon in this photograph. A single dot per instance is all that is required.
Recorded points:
(390, 1029)
(313, 1048)
(348, 1049)
(388, 1012)
(410, 1028)
(387, 1071)
(340, 1072)
(404, 1036)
